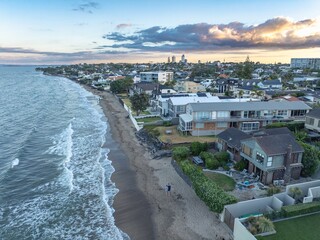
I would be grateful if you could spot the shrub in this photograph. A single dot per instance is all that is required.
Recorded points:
(222, 157)
(197, 147)
(273, 190)
(300, 209)
(295, 192)
(214, 197)
(212, 163)
(167, 123)
(293, 126)
(242, 164)
(259, 225)
(180, 153)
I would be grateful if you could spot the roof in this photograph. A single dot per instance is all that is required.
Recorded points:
(186, 117)
(278, 144)
(146, 86)
(272, 131)
(314, 113)
(246, 106)
(193, 99)
(233, 137)
(272, 82)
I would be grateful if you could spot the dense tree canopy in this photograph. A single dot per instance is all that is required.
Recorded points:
(139, 102)
(121, 86)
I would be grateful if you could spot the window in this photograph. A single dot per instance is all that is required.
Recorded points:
(250, 126)
(282, 112)
(259, 157)
(223, 114)
(295, 113)
(246, 150)
(204, 115)
(199, 125)
(269, 163)
(180, 108)
(310, 121)
(222, 124)
(189, 126)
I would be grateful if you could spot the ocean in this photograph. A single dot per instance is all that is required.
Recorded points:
(54, 171)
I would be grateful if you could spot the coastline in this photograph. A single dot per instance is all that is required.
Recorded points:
(142, 208)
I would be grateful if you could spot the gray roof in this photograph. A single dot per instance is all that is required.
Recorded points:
(246, 106)
(314, 113)
(278, 144)
(233, 136)
(271, 131)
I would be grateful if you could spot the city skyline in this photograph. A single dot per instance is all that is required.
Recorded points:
(66, 32)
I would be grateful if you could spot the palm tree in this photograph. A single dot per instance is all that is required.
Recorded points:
(265, 225)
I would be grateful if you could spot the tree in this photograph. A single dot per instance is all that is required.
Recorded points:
(247, 69)
(121, 86)
(197, 147)
(240, 94)
(310, 159)
(180, 153)
(139, 102)
(295, 192)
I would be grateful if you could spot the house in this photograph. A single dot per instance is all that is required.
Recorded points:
(273, 155)
(201, 118)
(189, 86)
(313, 120)
(143, 87)
(270, 84)
(161, 77)
(230, 140)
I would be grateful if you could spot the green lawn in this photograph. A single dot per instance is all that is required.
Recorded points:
(303, 228)
(147, 120)
(223, 181)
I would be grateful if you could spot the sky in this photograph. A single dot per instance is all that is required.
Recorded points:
(102, 31)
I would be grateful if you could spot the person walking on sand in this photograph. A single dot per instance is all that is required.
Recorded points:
(168, 189)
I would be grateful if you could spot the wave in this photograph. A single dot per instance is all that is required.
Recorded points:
(63, 147)
(15, 162)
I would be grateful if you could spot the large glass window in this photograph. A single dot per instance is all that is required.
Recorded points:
(222, 124)
(250, 126)
(282, 112)
(199, 125)
(223, 114)
(269, 163)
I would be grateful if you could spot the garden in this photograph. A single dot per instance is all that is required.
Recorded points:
(209, 189)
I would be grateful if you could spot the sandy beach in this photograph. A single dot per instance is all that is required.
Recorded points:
(142, 208)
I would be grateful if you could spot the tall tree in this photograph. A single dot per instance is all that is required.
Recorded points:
(139, 102)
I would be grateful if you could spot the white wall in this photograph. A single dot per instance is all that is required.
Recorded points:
(240, 232)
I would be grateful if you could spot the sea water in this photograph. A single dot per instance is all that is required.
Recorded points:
(54, 173)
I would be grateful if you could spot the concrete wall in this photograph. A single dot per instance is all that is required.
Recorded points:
(240, 232)
(285, 198)
(304, 186)
(249, 207)
(276, 204)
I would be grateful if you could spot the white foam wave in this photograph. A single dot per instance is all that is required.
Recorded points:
(15, 162)
(63, 147)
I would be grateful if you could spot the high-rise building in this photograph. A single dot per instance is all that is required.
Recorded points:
(168, 59)
(183, 59)
(161, 77)
(312, 63)
(173, 59)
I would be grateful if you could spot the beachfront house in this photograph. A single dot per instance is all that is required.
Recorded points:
(230, 141)
(273, 154)
(313, 120)
(202, 119)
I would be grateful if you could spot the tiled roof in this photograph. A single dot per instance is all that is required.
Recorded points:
(233, 136)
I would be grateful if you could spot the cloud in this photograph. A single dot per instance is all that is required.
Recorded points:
(124, 25)
(275, 33)
(87, 7)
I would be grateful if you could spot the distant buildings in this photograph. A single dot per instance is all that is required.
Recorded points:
(173, 59)
(312, 63)
(160, 77)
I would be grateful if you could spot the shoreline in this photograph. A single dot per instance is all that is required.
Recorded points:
(142, 208)
(151, 214)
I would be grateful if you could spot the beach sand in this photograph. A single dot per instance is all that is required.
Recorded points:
(142, 208)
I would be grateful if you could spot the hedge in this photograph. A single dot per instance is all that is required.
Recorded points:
(300, 209)
(209, 192)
